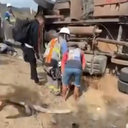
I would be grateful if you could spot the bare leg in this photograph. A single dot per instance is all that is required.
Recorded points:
(76, 93)
(64, 91)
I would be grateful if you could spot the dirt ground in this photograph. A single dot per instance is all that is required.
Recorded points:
(100, 106)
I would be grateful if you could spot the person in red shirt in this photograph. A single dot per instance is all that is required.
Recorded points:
(72, 65)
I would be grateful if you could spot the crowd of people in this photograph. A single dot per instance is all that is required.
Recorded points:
(72, 58)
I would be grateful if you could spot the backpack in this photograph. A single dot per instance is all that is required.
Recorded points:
(20, 30)
(74, 54)
(50, 48)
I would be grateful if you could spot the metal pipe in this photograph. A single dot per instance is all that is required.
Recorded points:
(123, 43)
(80, 30)
(81, 45)
(54, 16)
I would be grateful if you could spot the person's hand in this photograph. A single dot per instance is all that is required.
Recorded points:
(83, 67)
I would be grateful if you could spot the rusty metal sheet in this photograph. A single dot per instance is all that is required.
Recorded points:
(76, 9)
(106, 2)
(62, 5)
(112, 10)
(106, 47)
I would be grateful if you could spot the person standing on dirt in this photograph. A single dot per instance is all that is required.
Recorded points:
(52, 56)
(32, 45)
(9, 15)
(73, 62)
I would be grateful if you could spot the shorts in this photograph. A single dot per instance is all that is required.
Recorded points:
(69, 73)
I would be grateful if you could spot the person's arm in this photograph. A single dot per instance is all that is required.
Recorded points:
(64, 47)
(7, 17)
(83, 60)
(63, 62)
(12, 13)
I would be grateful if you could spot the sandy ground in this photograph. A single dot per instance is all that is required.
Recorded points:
(101, 105)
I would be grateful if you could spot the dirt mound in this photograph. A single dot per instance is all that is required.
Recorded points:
(101, 104)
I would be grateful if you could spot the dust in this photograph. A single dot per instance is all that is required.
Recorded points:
(100, 105)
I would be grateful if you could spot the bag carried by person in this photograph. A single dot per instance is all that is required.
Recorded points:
(20, 30)
(50, 48)
(74, 54)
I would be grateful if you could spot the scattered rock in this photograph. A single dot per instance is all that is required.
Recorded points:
(113, 126)
(98, 109)
(53, 120)
(20, 57)
(95, 117)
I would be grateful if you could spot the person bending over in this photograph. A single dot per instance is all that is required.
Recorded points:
(73, 62)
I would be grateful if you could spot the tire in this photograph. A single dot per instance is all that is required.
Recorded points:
(124, 75)
(99, 64)
(122, 86)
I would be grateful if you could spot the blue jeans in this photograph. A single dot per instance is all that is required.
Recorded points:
(69, 73)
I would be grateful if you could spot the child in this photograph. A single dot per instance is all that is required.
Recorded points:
(73, 62)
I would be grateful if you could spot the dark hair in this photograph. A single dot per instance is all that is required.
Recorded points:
(40, 12)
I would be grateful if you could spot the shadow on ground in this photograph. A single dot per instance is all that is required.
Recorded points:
(42, 77)
(5, 62)
(20, 94)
